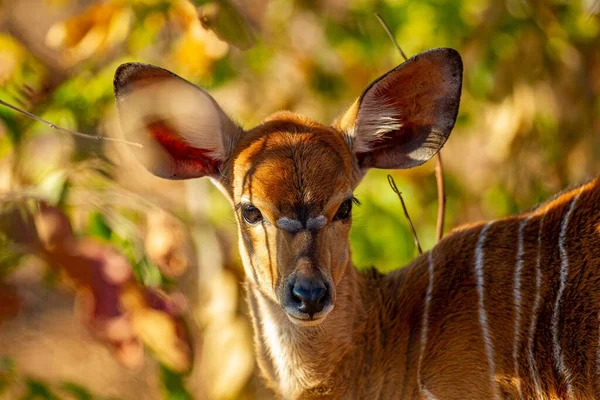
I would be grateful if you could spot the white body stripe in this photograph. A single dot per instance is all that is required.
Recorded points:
(428, 395)
(517, 301)
(425, 325)
(480, 282)
(564, 274)
(534, 315)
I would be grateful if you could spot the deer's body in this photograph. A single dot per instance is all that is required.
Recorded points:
(474, 319)
(508, 309)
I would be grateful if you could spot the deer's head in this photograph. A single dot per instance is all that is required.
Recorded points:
(291, 179)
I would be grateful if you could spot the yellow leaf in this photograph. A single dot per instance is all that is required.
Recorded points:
(98, 28)
(159, 332)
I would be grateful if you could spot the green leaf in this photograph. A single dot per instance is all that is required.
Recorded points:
(173, 385)
(76, 391)
(7, 372)
(37, 390)
(98, 226)
(53, 187)
(148, 273)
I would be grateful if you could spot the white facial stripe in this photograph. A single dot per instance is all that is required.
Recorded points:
(564, 274)
(312, 224)
(262, 205)
(480, 281)
(517, 301)
(534, 316)
(289, 224)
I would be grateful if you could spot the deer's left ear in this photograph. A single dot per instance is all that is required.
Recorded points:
(404, 118)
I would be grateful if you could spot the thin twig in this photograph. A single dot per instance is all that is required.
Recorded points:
(441, 192)
(592, 11)
(439, 167)
(412, 227)
(389, 33)
(65, 130)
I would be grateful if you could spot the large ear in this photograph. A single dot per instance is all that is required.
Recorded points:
(404, 118)
(184, 132)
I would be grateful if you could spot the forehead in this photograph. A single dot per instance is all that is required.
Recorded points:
(292, 165)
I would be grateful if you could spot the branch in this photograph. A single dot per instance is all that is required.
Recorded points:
(593, 10)
(439, 168)
(441, 193)
(65, 130)
(412, 227)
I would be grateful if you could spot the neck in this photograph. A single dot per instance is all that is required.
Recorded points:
(299, 361)
(299, 358)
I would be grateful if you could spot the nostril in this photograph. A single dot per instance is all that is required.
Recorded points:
(309, 298)
(298, 294)
(319, 294)
(296, 297)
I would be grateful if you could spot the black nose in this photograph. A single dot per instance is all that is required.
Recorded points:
(307, 295)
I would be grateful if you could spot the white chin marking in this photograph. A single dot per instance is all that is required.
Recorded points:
(306, 322)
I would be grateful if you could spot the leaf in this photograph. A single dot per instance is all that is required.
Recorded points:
(98, 226)
(53, 187)
(17, 225)
(149, 273)
(37, 390)
(173, 385)
(7, 372)
(223, 18)
(162, 334)
(77, 391)
(99, 28)
(167, 244)
(10, 303)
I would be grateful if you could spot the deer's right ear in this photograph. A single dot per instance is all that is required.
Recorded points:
(404, 118)
(184, 132)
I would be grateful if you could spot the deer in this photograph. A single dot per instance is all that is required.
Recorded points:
(506, 309)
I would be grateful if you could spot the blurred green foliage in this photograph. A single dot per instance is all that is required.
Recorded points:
(35, 389)
(315, 57)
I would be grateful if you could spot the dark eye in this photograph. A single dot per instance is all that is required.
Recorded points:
(345, 210)
(251, 214)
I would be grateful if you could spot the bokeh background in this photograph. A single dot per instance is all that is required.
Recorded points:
(116, 284)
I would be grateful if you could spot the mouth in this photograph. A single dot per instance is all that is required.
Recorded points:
(304, 319)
